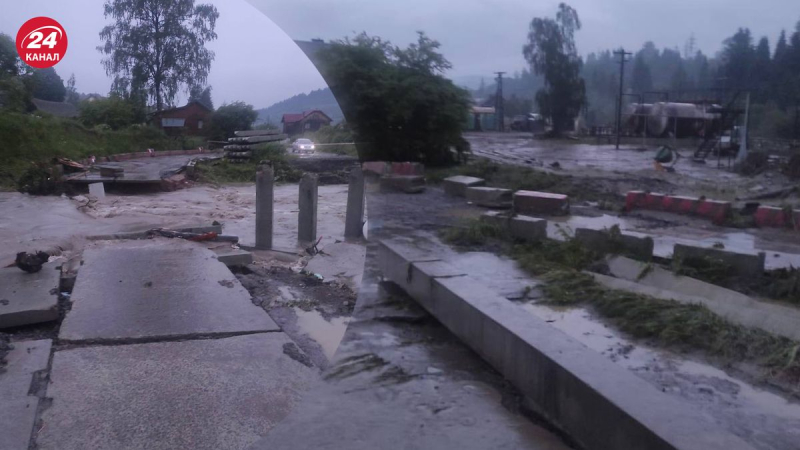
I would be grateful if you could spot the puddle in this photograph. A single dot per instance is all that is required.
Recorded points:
(736, 402)
(328, 334)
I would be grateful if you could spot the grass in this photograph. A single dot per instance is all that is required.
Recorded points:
(664, 323)
(222, 171)
(29, 139)
(526, 178)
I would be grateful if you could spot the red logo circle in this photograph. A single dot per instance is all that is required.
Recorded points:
(41, 42)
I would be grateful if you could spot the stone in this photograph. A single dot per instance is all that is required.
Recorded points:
(745, 265)
(234, 256)
(210, 394)
(410, 184)
(489, 197)
(602, 241)
(527, 228)
(138, 290)
(28, 298)
(354, 218)
(457, 185)
(97, 190)
(265, 179)
(533, 202)
(307, 205)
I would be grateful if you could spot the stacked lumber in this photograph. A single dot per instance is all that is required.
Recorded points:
(239, 148)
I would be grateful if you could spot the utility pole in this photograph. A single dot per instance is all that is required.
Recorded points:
(498, 103)
(623, 58)
(797, 120)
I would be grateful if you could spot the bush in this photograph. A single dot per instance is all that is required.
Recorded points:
(115, 112)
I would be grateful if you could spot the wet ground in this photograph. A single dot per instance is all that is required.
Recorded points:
(585, 159)
(737, 402)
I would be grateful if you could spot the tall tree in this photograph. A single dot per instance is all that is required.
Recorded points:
(158, 45)
(202, 95)
(737, 59)
(72, 96)
(641, 78)
(680, 79)
(762, 70)
(551, 52)
(47, 85)
(9, 60)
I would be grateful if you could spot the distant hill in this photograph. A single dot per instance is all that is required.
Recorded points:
(321, 99)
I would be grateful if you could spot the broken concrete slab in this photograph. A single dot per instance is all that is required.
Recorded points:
(17, 418)
(142, 290)
(603, 241)
(17, 407)
(28, 298)
(215, 394)
(25, 359)
(410, 184)
(234, 256)
(457, 185)
(743, 264)
(533, 202)
(738, 308)
(526, 228)
(489, 197)
(341, 261)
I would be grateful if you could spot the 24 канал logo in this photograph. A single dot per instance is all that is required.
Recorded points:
(41, 42)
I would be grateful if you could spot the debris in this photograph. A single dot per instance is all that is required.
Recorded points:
(30, 262)
(197, 237)
(555, 165)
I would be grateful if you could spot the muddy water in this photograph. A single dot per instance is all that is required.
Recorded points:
(327, 333)
(769, 421)
(665, 238)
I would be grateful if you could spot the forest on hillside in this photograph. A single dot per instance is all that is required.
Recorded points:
(770, 72)
(321, 99)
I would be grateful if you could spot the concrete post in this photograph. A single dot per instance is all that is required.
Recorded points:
(265, 178)
(354, 221)
(307, 202)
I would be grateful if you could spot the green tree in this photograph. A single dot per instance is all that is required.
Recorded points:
(114, 111)
(202, 95)
(47, 85)
(680, 79)
(641, 78)
(762, 69)
(551, 52)
(232, 117)
(9, 60)
(396, 100)
(72, 96)
(738, 56)
(158, 45)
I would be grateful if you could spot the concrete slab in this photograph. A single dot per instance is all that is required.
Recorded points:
(457, 185)
(341, 261)
(159, 288)
(214, 394)
(17, 418)
(234, 256)
(534, 202)
(489, 197)
(25, 298)
(26, 358)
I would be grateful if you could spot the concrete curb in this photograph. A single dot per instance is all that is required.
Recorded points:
(600, 404)
(714, 210)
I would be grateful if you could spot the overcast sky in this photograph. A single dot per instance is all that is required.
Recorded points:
(258, 63)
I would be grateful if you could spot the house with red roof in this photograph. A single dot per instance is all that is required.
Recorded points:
(294, 124)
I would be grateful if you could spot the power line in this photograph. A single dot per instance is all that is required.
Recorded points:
(623, 58)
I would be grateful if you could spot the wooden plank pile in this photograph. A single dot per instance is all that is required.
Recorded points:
(239, 148)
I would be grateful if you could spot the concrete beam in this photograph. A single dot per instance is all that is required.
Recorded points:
(533, 202)
(489, 197)
(410, 184)
(603, 242)
(745, 265)
(525, 228)
(307, 203)
(354, 219)
(457, 185)
(265, 179)
(600, 404)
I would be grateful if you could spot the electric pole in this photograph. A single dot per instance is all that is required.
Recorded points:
(498, 103)
(623, 58)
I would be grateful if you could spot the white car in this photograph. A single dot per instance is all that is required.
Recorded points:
(302, 145)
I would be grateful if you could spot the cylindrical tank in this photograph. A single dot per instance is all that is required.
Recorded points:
(683, 119)
(636, 114)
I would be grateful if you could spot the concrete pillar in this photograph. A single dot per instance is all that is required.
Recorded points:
(307, 202)
(354, 221)
(265, 178)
